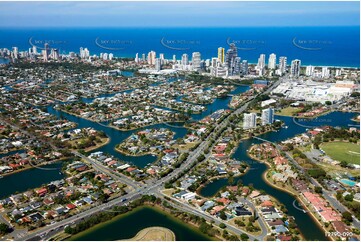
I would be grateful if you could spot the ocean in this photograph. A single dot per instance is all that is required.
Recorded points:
(320, 46)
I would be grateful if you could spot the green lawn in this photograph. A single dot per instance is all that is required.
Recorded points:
(289, 111)
(342, 151)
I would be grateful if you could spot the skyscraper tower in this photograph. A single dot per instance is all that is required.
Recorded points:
(221, 54)
(272, 61)
(196, 61)
(282, 64)
(295, 68)
(230, 59)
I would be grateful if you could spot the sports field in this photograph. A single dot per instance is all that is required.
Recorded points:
(342, 151)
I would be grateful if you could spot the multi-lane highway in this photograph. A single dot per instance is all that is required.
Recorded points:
(151, 188)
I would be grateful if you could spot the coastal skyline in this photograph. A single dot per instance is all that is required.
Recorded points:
(178, 14)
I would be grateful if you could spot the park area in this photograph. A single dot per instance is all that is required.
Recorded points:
(342, 151)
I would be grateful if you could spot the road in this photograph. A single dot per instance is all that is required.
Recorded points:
(153, 188)
(325, 193)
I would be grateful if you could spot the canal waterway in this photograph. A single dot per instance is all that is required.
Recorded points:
(305, 223)
(128, 225)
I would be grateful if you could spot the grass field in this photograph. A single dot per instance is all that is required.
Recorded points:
(289, 111)
(343, 151)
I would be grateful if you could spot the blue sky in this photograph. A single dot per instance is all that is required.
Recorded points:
(193, 14)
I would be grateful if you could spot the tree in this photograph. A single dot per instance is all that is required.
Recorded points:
(222, 215)
(4, 228)
(318, 189)
(222, 226)
(343, 163)
(328, 102)
(347, 216)
(349, 197)
(244, 237)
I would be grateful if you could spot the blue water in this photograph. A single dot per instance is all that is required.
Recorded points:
(336, 46)
(348, 182)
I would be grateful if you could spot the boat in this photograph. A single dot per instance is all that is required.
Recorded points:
(1, 176)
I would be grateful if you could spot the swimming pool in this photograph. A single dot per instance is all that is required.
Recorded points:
(348, 182)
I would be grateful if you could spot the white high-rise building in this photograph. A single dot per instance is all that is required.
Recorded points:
(110, 56)
(158, 64)
(136, 58)
(249, 120)
(309, 70)
(143, 57)
(174, 59)
(261, 62)
(272, 61)
(35, 51)
(185, 60)
(161, 57)
(295, 68)
(325, 72)
(244, 67)
(196, 61)
(15, 52)
(338, 72)
(282, 66)
(151, 57)
(105, 56)
(267, 116)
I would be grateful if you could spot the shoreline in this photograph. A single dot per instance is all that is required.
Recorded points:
(142, 234)
(155, 208)
(34, 166)
(296, 196)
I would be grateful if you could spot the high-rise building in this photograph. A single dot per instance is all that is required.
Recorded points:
(15, 52)
(338, 72)
(249, 120)
(151, 57)
(309, 70)
(244, 67)
(261, 62)
(136, 58)
(236, 67)
(295, 68)
(272, 61)
(143, 57)
(185, 60)
(325, 72)
(46, 52)
(267, 116)
(221, 54)
(214, 62)
(54, 54)
(161, 57)
(105, 56)
(84, 53)
(196, 61)
(110, 56)
(158, 64)
(174, 59)
(35, 51)
(229, 61)
(282, 65)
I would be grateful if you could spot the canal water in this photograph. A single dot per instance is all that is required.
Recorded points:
(305, 223)
(307, 226)
(29, 179)
(128, 225)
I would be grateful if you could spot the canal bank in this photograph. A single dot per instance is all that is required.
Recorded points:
(128, 225)
(306, 224)
(30, 179)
